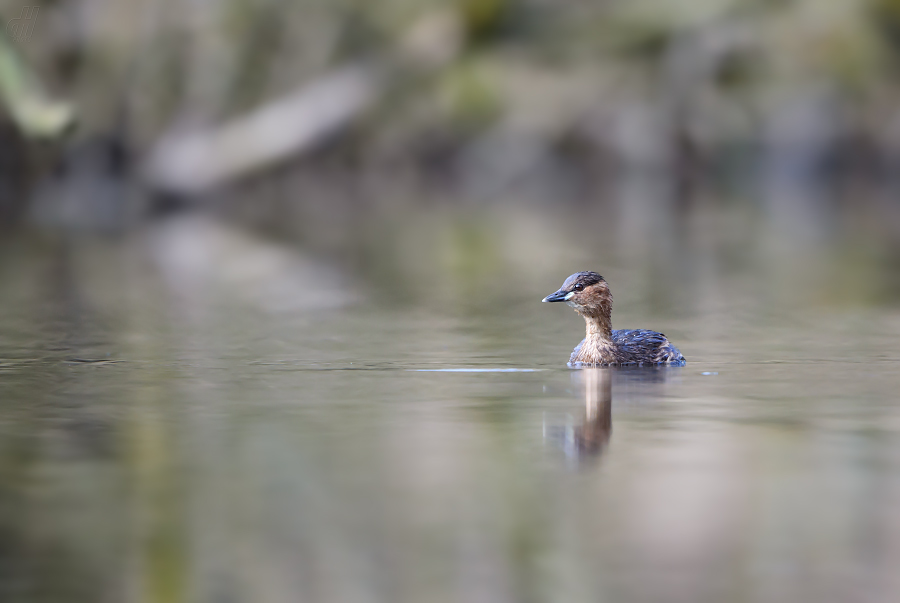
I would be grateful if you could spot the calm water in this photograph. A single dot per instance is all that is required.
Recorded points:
(166, 441)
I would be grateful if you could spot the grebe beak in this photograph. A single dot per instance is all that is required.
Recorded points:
(559, 296)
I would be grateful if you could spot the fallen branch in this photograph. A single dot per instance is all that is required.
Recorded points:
(198, 162)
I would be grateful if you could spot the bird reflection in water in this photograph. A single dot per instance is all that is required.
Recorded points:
(591, 437)
(632, 384)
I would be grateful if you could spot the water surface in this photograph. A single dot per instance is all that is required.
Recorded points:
(169, 443)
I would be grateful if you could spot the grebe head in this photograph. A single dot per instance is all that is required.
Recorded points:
(586, 292)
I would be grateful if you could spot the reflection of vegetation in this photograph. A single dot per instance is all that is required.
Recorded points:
(471, 259)
(158, 504)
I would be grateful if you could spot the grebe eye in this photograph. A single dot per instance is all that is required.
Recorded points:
(579, 287)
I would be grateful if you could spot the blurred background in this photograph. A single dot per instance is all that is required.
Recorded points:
(269, 275)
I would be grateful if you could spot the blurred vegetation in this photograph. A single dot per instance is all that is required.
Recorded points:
(791, 105)
(35, 115)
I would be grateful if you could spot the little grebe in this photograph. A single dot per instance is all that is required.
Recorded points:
(589, 294)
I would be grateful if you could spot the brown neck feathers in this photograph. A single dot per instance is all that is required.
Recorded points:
(597, 314)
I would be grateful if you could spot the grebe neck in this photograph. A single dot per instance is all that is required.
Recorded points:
(598, 346)
(598, 329)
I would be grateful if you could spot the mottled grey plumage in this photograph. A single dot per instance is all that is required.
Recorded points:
(639, 347)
